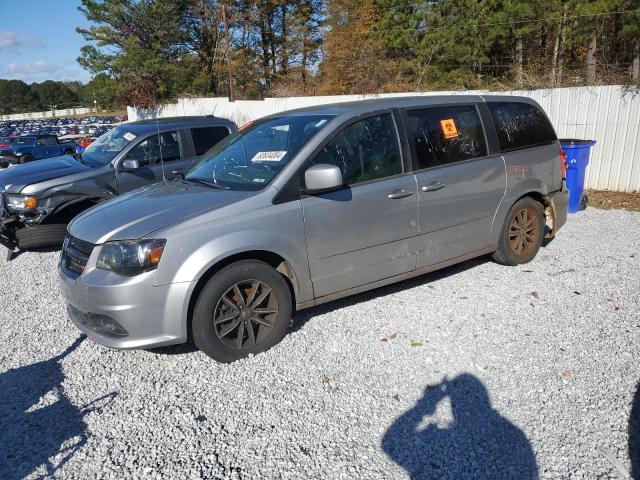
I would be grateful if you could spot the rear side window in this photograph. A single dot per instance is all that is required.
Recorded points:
(51, 141)
(365, 150)
(520, 125)
(442, 135)
(206, 137)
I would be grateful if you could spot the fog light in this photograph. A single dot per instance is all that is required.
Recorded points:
(102, 324)
(105, 325)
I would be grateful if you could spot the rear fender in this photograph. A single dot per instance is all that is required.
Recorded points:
(527, 186)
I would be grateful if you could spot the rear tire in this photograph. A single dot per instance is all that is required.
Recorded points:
(522, 233)
(40, 236)
(243, 309)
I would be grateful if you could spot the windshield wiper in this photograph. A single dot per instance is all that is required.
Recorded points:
(209, 183)
(78, 157)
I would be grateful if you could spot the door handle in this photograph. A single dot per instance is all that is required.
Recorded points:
(401, 193)
(433, 186)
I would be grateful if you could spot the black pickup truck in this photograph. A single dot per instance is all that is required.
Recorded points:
(38, 199)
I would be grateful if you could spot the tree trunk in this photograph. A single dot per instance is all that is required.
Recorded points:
(227, 52)
(591, 59)
(563, 36)
(284, 53)
(635, 69)
(554, 61)
(519, 61)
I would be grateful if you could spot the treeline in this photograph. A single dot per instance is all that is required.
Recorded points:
(142, 52)
(17, 96)
(256, 48)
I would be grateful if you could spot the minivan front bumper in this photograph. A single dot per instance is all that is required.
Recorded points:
(124, 312)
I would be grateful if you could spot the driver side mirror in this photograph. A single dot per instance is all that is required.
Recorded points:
(322, 177)
(130, 165)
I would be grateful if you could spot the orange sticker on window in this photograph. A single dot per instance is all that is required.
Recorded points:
(449, 129)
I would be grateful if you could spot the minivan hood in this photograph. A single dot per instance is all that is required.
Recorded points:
(138, 213)
(16, 178)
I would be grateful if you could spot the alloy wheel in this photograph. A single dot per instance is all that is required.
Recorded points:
(245, 314)
(523, 232)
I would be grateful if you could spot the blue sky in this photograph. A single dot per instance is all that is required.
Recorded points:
(38, 40)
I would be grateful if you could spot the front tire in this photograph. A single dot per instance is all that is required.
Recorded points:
(243, 309)
(522, 233)
(26, 158)
(40, 236)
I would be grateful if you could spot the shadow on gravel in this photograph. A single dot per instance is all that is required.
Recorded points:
(180, 349)
(634, 435)
(13, 255)
(38, 420)
(477, 443)
(303, 316)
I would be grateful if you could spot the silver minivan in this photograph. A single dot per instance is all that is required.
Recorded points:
(308, 206)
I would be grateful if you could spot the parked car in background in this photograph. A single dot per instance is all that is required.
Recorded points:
(37, 200)
(36, 147)
(6, 142)
(308, 206)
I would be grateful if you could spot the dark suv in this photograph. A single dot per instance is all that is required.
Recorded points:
(39, 199)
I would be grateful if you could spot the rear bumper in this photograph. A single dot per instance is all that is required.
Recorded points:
(560, 205)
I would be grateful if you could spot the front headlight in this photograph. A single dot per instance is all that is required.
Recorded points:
(130, 258)
(21, 203)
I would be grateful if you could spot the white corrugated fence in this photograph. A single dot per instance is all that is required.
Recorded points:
(608, 114)
(48, 114)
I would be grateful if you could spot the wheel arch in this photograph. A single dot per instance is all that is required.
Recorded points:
(280, 264)
(540, 195)
(67, 211)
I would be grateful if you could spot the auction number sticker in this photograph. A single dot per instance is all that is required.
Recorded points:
(129, 136)
(449, 128)
(269, 156)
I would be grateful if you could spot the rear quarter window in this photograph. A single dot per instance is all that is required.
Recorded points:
(520, 125)
(206, 137)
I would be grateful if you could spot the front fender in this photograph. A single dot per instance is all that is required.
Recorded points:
(191, 268)
(53, 200)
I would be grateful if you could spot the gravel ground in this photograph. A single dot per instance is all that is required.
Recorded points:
(476, 371)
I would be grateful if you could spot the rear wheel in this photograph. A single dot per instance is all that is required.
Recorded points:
(40, 236)
(243, 309)
(521, 234)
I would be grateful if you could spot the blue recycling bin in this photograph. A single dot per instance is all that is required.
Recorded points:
(577, 152)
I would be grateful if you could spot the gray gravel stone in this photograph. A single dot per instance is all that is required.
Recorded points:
(477, 371)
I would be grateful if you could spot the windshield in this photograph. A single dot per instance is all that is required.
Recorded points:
(7, 140)
(25, 141)
(250, 158)
(105, 148)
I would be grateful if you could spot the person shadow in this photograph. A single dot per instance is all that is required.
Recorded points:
(634, 435)
(40, 425)
(477, 442)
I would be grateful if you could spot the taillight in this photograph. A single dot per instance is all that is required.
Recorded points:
(563, 163)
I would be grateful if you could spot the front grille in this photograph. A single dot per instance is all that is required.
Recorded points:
(75, 255)
(6, 153)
